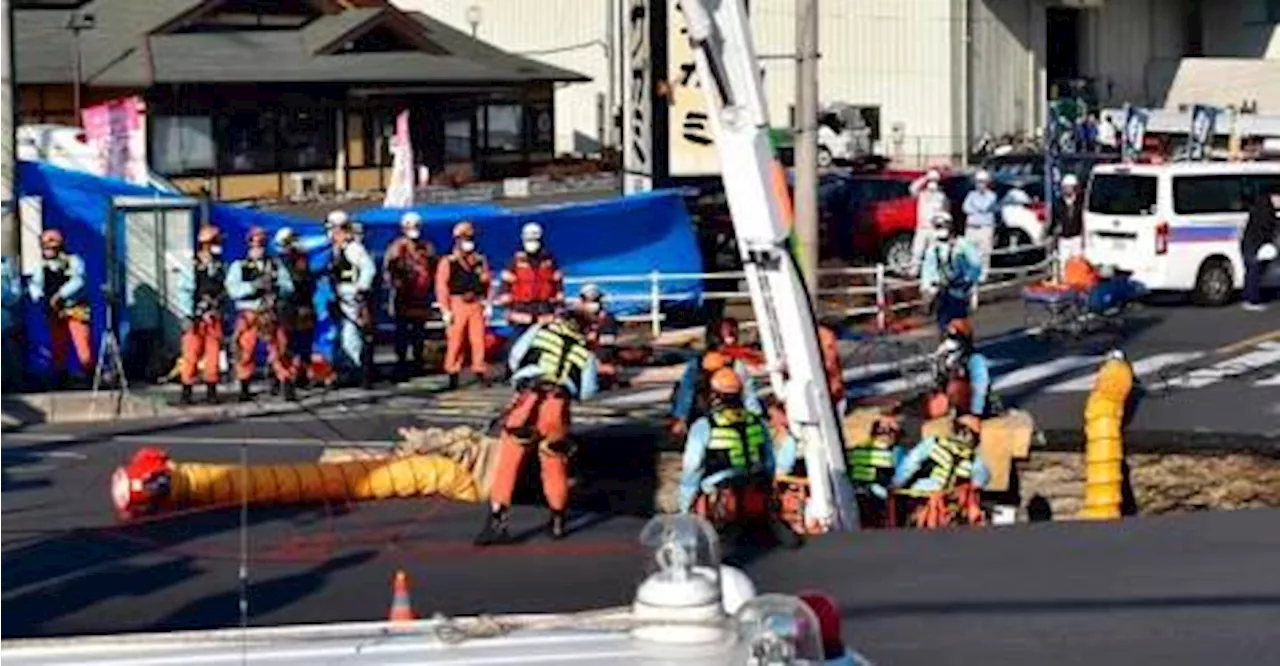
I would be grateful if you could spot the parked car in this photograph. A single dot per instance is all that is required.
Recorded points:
(849, 205)
(1024, 169)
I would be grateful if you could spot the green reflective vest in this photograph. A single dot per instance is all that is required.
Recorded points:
(560, 353)
(869, 463)
(738, 439)
(950, 461)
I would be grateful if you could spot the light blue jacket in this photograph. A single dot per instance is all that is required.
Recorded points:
(980, 208)
(72, 292)
(245, 294)
(693, 478)
(366, 271)
(11, 291)
(687, 389)
(954, 266)
(915, 459)
(590, 378)
(979, 383)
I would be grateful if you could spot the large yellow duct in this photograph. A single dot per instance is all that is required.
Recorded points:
(1104, 448)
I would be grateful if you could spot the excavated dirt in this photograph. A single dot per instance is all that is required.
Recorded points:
(1165, 483)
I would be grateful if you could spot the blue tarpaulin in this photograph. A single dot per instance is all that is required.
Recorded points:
(626, 236)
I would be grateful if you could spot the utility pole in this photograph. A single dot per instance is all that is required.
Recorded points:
(806, 143)
(11, 233)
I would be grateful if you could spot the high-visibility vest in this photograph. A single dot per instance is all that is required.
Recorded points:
(466, 277)
(950, 461)
(869, 463)
(533, 278)
(560, 353)
(737, 441)
(210, 289)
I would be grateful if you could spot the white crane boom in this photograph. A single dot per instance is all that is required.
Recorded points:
(730, 78)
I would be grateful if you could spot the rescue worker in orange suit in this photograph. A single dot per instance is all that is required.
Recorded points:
(829, 344)
(532, 284)
(462, 287)
(257, 284)
(601, 331)
(206, 294)
(551, 365)
(59, 286)
(408, 267)
(298, 314)
(692, 392)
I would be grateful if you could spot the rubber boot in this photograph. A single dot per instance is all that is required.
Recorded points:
(453, 381)
(275, 386)
(495, 529)
(290, 393)
(557, 525)
(302, 382)
(211, 394)
(186, 395)
(245, 395)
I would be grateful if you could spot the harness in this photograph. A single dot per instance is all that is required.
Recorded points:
(560, 353)
(341, 270)
(466, 278)
(56, 274)
(411, 271)
(737, 440)
(209, 287)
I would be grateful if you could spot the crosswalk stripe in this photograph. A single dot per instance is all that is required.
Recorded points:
(1270, 381)
(1045, 370)
(900, 384)
(1141, 368)
(1266, 354)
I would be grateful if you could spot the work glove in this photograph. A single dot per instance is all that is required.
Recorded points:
(488, 311)
(446, 317)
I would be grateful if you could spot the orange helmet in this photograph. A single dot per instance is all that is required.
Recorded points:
(464, 230)
(726, 382)
(970, 422)
(208, 234)
(960, 328)
(714, 360)
(885, 424)
(256, 235)
(51, 238)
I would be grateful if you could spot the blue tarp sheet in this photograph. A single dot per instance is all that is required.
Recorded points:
(627, 236)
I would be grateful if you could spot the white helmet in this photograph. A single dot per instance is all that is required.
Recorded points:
(1070, 180)
(531, 231)
(284, 236)
(409, 219)
(932, 174)
(983, 176)
(736, 589)
(336, 218)
(941, 219)
(590, 292)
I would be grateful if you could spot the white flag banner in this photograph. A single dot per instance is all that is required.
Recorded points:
(400, 191)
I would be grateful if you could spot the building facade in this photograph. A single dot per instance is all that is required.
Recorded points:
(250, 100)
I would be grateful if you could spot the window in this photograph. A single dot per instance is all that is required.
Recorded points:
(181, 144)
(1209, 194)
(1273, 11)
(306, 140)
(504, 131)
(1122, 194)
(1256, 186)
(457, 139)
(541, 128)
(379, 127)
(247, 141)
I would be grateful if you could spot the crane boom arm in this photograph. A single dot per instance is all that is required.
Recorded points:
(731, 80)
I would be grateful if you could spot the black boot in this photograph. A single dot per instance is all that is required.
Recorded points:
(495, 529)
(289, 393)
(453, 381)
(245, 395)
(302, 382)
(186, 395)
(211, 394)
(556, 526)
(275, 386)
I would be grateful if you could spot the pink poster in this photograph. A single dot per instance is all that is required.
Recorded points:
(117, 130)
(400, 190)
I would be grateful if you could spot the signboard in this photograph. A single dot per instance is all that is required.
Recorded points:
(400, 190)
(1203, 119)
(691, 147)
(117, 130)
(1135, 130)
(637, 102)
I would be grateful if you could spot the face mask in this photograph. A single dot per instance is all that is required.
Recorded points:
(592, 307)
(412, 233)
(933, 185)
(215, 250)
(941, 235)
(49, 253)
(257, 252)
(467, 246)
(532, 246)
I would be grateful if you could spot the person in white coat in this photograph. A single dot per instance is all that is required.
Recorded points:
(930, 201)
(980, 207)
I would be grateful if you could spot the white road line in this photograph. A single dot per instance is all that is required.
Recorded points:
(1039, 371)
(1270, 381)
(900, 384)
(1141, 368)
(1266, 354)
(645, 397)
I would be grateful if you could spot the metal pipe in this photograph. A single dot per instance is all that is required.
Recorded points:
(806, 143)
(12, 231)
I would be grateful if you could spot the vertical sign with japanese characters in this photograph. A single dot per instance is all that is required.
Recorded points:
(117, 131)
(637, 103)
(691, 145)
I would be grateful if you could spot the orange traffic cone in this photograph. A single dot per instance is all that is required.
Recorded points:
(401, 608)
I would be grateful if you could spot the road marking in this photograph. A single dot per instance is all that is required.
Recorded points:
(1267, 354)
(252, 441)
(1141, 368)
(1249, 342)
(1039, 371)
(1270, 381)
(908, 382)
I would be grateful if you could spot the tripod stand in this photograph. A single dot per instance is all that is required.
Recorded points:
(110, 361)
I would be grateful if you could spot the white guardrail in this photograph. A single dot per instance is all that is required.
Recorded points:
(881, 285)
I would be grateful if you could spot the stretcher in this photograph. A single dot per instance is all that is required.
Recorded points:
(1054, 309)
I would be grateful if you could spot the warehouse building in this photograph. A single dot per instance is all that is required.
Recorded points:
(938, 73)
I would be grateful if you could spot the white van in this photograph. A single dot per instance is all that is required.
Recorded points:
(1175, 226)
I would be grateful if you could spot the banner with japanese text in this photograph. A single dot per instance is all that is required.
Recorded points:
(117, 131)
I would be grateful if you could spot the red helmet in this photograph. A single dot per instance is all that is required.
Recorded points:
(961, 329)
(726, 382)
(714, 360)
(51, 238)
(256, 235)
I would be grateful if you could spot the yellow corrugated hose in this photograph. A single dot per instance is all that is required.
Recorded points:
(196, 484)
(1104, 448)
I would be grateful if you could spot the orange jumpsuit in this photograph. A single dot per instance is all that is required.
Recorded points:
(202, 338)
(828, 343)
(543, 414)
(69, 321)
(462, 284)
